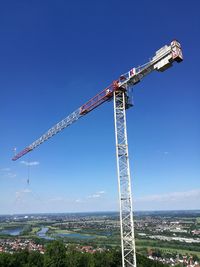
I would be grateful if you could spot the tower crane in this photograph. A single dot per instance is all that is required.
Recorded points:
(120, 91)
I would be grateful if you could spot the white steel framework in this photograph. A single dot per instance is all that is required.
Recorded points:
(124, 181)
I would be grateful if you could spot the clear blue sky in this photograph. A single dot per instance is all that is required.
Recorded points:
(56, 55)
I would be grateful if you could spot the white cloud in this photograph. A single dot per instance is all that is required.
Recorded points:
(173, 196)
(11, 175)
(30, 163)
(169, 201)
(94, 196)
(78, 200)
(55, 199)
(26, 191)
(97, 194)
(8, 174)
(101, 192)
(21, 193)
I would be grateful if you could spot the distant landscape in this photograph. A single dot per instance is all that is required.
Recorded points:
(168, 237)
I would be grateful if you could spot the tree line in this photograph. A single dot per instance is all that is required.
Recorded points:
(57, 255)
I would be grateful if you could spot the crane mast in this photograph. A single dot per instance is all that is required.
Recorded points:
(124, 181)
(119, 90)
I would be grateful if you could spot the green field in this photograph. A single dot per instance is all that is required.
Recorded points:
(168, 250)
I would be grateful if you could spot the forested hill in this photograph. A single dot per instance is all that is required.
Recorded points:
(57, 255)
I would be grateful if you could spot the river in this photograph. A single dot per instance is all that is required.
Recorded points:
(13, 232)
(42, 233)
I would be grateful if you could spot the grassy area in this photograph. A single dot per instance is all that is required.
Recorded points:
(35, 230)
(170, 250)
(59, 231)
(11, 225)
(168, 247)
(198, 220)
(52, 227)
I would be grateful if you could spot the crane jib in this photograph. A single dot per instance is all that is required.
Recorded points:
(22, 153)
(163, 59)
(100, 98)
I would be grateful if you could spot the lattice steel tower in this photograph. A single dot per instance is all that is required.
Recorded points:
(124, 180)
